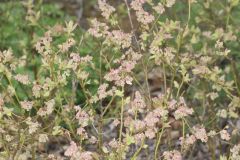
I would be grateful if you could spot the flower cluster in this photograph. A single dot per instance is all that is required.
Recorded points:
(142, 16)
(24, 79)
(27, 105)
(47, 109)
(32, 126)
(182, 110)
(105, 8)
(73, 151)
(43, 46)
(172, 155)
(121, 75)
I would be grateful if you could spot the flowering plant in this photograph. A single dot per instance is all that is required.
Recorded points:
(165, 87)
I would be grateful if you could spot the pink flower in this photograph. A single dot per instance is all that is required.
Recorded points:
(106, 9)
(127, 121)
(138, 125)
(172, 104)
(102, 93)
(182, 112)
(151, 119)
(200, 133)
(47, 109)
(43, 45)
(82, 117)
(22, 78)
(150, 133)
(159, 8)
(36, 90)
(98, 29)
(27, 105)
(172, 155)
(82, 132)
(225, 135)
(212, 133)
(118, 77)
(201, 70)
(120, 38)
(93, 140)
(71, 150)
(188, 140)
(160, 112)
(86, 59)
(235, 152)
(113, 75)
(128, 80)
(75, 57)
(85, 155)
(33, 126)
(135, 56)
(66, 45)
(142, 16)
(116, 122)
(139, 137)
(113, 144)
(128, 65)
(138, 104)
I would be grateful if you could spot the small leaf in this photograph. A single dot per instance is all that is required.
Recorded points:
(119, 93)
(7, 111)
(130, 140)
(56, 130)
(234, 3)
(105, 150)
(176, 85)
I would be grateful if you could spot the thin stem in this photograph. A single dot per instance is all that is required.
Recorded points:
(100, 124)
(180, 87)
(9, 81)
(18, 145)
(121, 124)
(33, 153)
(164, 77)
(129, 15)
(183, 132)
(138, 151)
(228, 16)
(235, 74)
(109, 104)
(158, 143)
